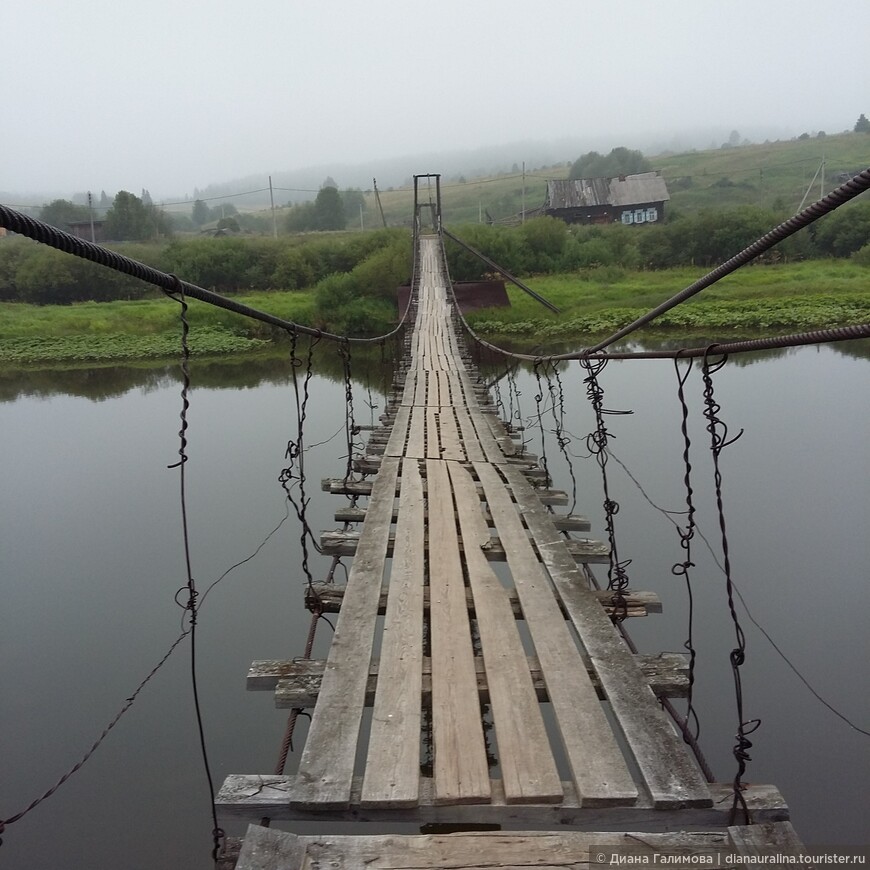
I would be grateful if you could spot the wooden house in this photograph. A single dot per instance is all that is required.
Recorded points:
(627, 199)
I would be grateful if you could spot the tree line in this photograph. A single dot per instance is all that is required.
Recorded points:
(546, 245)
(35, 273)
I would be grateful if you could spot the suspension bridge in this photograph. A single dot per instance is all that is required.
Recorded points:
(470, 618)
(479, 687)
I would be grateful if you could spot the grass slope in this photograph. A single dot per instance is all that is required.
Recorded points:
(773, 174)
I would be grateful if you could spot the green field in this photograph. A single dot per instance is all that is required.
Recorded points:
(790, 297)
(139, 329)
(787, 297)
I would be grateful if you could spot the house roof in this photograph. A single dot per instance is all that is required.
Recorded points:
(623, 190)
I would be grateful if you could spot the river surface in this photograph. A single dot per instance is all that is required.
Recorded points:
(91, 557)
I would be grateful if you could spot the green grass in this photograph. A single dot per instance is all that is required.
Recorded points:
(139, 329)
(800, 296)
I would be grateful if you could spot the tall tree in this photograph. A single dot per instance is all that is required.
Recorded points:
(620, 161)
(200, 214)
(862, 125)
(329, 210)
(128, 219)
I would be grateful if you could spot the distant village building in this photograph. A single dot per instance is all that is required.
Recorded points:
(627, 199)
(82, 229)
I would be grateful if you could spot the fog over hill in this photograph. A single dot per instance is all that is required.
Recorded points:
(299, 185)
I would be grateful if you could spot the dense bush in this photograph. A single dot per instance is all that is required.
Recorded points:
(845, 231)
(362, 301)
(543, 245)
(30, 272)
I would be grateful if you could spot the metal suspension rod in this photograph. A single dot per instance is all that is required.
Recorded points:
(511, 278)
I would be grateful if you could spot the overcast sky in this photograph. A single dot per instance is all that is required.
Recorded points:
(176, 94)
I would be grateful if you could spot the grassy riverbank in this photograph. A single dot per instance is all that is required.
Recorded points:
(140, 329)
(796, 297)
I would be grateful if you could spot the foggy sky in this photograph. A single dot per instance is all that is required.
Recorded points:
(175, 94)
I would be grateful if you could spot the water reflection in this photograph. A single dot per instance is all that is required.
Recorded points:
(371, 367)
(90, 558)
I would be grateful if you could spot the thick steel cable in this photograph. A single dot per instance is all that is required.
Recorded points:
(55, 238)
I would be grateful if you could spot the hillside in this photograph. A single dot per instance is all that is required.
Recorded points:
(774, 174)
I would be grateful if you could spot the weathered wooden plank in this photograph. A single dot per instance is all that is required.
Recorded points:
(488, 443)
(268, 849)
(766, 838)
(670, 774)
(460, 766)
(433, 444)
(371, 462)
(393, 763)
(451, 445)
(499, 850)
(444, 385)
(598, 768)
(345, 543)
(416, 446)
(473, 450)
(327, 761)
(569, 523)
(328, 597)
(399, 433)
(258, 795)
(340, 486)
(420, 388)
(297, 683)
(526, 760)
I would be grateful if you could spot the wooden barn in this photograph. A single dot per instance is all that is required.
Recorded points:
(627, 199)
(82, 229)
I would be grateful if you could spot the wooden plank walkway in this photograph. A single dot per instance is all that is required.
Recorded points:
(540, 716)
(267, 849)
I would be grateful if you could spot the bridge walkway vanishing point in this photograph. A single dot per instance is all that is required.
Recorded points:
(541, 718)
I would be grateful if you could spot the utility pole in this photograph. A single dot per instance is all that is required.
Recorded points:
(272, 200)
(91, 216)
(524, 192)
(378, 200)
(361, 225)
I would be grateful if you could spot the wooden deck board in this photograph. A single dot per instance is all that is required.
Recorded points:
(599, 770)
(461, 771)
(526, 760)
(297, 683)
(503, 850)
(393, 765)
(327, 763)
(254, 796)
(670, 774)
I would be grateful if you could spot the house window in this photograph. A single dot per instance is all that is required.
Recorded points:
(652, 215)
(639, 215)
(627, 217)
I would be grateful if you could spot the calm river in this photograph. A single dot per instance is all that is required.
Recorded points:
(91, 557)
